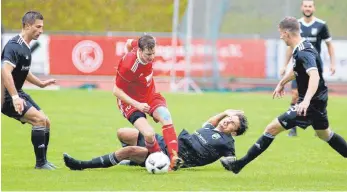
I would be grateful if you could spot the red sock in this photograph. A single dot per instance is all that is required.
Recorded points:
(153, 147)
(170, 139)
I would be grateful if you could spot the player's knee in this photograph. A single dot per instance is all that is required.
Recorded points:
(163, 115)
(274, 128)
(149, 136)
(122, 134)
(39, 120)
(324, 135)
(48, 123)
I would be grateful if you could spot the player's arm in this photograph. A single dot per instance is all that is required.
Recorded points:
(217, 118)
(129, 45)
(288, 56)
(9, 62)
(31, 78)
(287, 77)
(120, 94)
(325, 34)
(311, 69)
(6, 73)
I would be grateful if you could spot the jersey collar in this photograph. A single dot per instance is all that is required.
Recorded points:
(138, 57)
(296, 46)
(20, 36)
(302, 20)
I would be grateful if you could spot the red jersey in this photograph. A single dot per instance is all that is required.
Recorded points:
(134, 77)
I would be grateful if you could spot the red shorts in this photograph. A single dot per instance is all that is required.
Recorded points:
(156, 101)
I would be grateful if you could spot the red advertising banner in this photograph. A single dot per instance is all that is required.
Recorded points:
(99, 55)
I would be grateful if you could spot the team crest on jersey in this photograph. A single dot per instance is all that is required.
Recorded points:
(314, 31)
(215, 136)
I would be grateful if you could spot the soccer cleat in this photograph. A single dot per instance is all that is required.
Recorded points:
(45, 166)
(52, 165)
(231, 165)
(72, 163)
(292, 132)
(176, 162)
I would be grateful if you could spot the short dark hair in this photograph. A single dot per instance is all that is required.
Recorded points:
(146, 42)
(30, 17)
(243, 124)
(290, 24)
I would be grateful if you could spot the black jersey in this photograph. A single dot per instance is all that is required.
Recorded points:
(204, 146)
(315, 32)
(307, 58)
(17, 53)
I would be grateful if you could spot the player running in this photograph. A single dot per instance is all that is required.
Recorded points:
(315, 31)
(136, 95)
(206, 145)
(313, 98)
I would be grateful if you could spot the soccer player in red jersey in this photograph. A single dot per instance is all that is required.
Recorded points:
(136, 95)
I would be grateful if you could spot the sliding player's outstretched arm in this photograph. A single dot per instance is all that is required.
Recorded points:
(217, 118)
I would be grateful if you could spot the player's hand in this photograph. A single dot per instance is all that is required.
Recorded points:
(332, 69)
(302, 108)
(283, 71)
(143, 107)
(231, 112)
(278, 92)
(48, 82)
(18, 104)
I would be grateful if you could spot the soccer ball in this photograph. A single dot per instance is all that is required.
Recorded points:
(157, 163)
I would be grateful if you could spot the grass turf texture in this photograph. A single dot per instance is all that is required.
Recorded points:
(84, 124)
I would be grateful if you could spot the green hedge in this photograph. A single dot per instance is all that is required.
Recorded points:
(94, 15)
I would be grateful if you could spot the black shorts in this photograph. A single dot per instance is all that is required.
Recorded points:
(294, 84)
(8, 108)
(160, 140)
(316, 115)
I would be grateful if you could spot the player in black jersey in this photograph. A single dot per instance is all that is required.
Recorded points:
(315, 31)
(15, 64)
(312, 103)
(206, 145)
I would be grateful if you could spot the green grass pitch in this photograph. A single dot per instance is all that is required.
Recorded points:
(84, 124)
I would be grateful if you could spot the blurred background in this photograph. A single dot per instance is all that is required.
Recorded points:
(203, 45)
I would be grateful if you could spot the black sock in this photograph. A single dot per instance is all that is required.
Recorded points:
(259, 147)
(105, 161)
(339, 144)
(38, 141)
(47, 130)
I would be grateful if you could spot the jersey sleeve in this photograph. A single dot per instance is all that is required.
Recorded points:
(308, 60)
(124, 75)
(325, 33)
(207, 125)
(133, 43)
(10, 55)
(229, 149)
